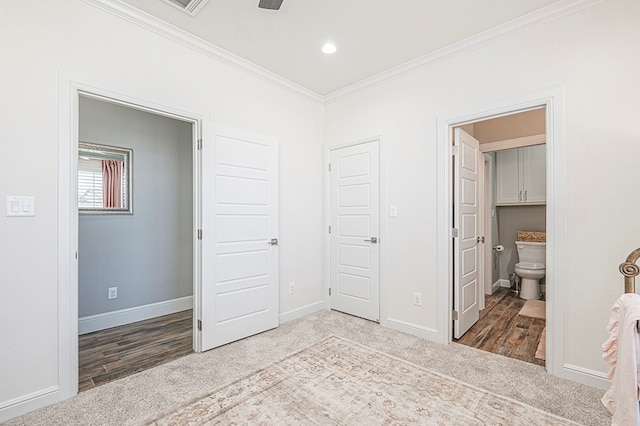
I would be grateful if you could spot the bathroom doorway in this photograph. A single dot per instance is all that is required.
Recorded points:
(511, 205)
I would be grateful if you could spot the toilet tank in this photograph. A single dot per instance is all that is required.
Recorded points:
(531, 251)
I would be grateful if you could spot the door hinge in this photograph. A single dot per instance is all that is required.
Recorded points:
(199, 144)
(454, 232)
(455, 150)
(329, 166)
(199, 234)
(454, 315)
(329, 228)
(480, 239)
(329, 291)
(199, 325)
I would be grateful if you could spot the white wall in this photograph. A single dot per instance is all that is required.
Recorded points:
(44, 43)
(591, 54)
(147, 255)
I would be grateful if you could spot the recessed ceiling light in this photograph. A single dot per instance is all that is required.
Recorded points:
(329, 48)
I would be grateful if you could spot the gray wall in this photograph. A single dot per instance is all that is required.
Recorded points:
(147, 255)
(512, 219)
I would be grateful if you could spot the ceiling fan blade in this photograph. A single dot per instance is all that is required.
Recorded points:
(270, 4)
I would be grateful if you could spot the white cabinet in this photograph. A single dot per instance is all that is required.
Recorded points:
(521, 176)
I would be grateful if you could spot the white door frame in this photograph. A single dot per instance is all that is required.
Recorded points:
(383, 222)
(553, 101)
(70, 90)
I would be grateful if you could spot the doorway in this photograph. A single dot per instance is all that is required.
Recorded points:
(504, 201)
(135, 265)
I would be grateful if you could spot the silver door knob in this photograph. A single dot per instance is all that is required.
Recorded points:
(372, 240)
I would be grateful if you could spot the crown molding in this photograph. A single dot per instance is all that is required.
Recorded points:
(178, 35)
(508, 29)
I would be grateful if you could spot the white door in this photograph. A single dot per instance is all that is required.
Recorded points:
(355, 225)
(239, 290)
(466, 244)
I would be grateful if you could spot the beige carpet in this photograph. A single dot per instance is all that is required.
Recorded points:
(534, 308)
(145, 396)
(337, 381)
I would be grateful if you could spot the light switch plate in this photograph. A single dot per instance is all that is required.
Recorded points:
(393, 210)
(20, 205)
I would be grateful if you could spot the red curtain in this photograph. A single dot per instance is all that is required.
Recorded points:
(112, 183)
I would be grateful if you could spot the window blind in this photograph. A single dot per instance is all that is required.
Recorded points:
(89, 183)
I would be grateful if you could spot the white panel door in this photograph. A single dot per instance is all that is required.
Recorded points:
(239, 290)
(355, 224)
(466, 246)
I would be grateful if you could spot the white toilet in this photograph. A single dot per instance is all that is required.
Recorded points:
(530, 267)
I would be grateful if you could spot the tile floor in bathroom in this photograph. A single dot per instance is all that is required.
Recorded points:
(502, 331)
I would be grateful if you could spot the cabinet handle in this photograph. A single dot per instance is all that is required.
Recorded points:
(525, 195)
(520, 196)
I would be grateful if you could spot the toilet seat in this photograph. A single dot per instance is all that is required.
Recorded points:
(530, 265)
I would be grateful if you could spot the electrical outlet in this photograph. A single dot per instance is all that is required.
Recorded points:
(292, 288)
(417, 299)
(113, 292)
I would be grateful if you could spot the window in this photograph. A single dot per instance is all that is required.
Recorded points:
(104, 179)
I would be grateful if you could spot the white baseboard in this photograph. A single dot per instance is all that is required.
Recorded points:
(300, 312)
(503, 283)
(26, 403)
(409, 328)
(586, 376)
(127, 316)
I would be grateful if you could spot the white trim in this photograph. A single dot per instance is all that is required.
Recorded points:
(26, 403)
(414, 329)
(501, 283)
(553, 101)
(92, 323)
(180, 36)
(586, 376)
(67, 239)
(508, 29)
(301, 312)
(384, 219)
(513, 143)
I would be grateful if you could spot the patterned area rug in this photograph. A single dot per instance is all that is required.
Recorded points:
(337, 382)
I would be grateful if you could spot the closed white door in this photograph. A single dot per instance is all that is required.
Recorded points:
(466, 243)
(239, 285)
(355, 225)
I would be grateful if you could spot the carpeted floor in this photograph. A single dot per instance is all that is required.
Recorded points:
(336, 382)
(143, 396)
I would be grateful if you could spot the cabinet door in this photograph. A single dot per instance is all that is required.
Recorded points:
(507, 177)
(534, 176)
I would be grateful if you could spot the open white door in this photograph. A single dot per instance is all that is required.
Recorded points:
(239, 286)
(466, 220)
(355, 225)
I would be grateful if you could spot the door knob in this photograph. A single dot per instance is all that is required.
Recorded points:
(372, 240)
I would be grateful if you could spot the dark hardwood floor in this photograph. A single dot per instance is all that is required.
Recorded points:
(117, 352)
(501, 330)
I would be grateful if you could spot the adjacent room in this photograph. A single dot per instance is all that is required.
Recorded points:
(135, 256)
(345, 212)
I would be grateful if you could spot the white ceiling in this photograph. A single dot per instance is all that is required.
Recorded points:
(372, 36)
